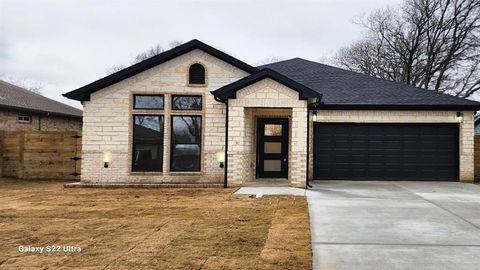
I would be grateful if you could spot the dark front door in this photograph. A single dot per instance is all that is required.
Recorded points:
(355, 151)
(272, 148)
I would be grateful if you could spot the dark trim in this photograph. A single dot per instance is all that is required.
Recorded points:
(83, 93)
(186, 95)
(155, 95)
(230, 90)
(199, 143)
(39, 112)
(133, 141)
(398, 107)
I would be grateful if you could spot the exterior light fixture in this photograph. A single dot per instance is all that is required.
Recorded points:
(460, 117)
(314, 116)
(221, 158)
(107, 158)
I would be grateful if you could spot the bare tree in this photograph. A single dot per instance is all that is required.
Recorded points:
(150, 52)
(433, 44)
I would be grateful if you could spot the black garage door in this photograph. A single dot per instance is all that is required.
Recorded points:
(346, 151)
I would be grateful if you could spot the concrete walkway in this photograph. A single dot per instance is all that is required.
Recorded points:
(395, 225)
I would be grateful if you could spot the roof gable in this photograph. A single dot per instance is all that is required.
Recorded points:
(15, 98)
(83, 93)
(230, 90)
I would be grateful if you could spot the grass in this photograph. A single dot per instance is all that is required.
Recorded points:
(151, 228)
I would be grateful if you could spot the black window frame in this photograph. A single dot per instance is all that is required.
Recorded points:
(156, 95)
(132, 167)
(190, 74)
(199, 142)
(199, 96)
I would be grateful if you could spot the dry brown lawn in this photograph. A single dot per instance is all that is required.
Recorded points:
(150, 228)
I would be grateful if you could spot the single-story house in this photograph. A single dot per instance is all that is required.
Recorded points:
(194, 114)
(23, 110)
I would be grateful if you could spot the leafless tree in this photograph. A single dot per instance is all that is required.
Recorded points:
(150, 52)
(433, 44)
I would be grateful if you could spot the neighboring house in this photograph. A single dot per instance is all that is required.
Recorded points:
(24, 110)
(170, 119)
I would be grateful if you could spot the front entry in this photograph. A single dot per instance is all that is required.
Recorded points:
(272, 148)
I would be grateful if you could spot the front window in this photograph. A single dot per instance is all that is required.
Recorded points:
(185, 150)
(147, 143)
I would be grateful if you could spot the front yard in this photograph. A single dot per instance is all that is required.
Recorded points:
(150, 228)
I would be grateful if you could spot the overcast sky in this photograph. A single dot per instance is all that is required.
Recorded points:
(63, 45)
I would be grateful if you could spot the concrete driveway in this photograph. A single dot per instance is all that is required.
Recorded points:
(395, 225)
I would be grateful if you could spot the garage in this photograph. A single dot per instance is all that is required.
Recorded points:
(377, 151)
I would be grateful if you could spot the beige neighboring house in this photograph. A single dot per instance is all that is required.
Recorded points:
(195, 115)
(23, 110)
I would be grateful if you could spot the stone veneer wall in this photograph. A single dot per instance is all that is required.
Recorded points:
(265, 94)
(466, 143)
(9, 122)
(108, 121)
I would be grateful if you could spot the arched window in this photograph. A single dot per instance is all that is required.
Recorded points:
(196, 74)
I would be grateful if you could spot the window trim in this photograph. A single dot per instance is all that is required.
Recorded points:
(204, 74)
(132, 169)
(24, 121)
(199, 144)
(156, 109)
(186, 95)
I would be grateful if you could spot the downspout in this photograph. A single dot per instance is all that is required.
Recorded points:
(225, 173)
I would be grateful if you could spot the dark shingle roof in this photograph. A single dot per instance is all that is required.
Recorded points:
(16, 98)
(346, 89)
(230, 90)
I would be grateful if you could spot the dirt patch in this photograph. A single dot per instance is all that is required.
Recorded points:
(151, 228)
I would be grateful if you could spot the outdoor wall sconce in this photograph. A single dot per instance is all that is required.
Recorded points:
(314, 116)
(107, 157)
(221, 158)
(460, 117)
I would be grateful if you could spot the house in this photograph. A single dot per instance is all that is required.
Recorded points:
(194, 114)
(23, 110)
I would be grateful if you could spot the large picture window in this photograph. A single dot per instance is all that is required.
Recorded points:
(185, 148)
(147, 143)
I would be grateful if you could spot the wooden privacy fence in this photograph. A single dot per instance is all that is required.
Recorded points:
(40, 154)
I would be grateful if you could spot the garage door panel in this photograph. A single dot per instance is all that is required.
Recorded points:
(386, 151)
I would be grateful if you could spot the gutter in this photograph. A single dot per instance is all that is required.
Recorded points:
(225, 183)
